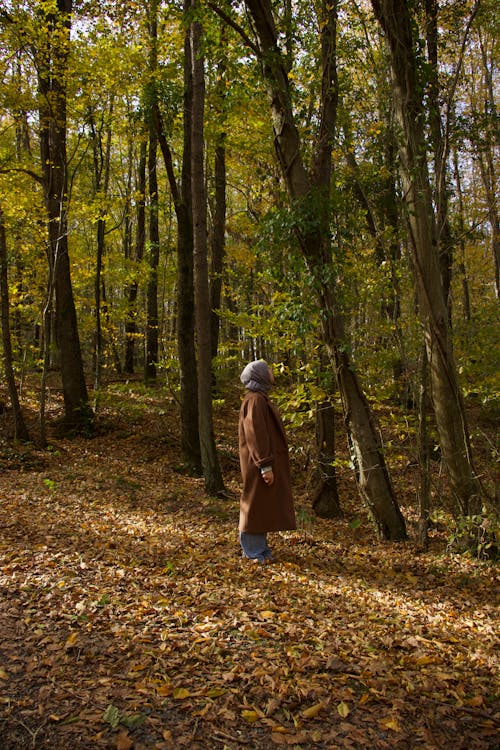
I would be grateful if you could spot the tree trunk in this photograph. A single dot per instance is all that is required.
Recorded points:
(325, 500)
(218, 245)
(52, 71)
(101, 148)
(20, 429)
(140, 244)
(310, 197)
(190, 437)
(213, 477)
(424, 488)
(440, 151)
(151, 362)
(447, 400)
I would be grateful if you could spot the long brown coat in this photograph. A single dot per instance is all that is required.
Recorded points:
(262, 442)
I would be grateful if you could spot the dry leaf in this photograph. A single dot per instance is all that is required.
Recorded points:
(312, 711)
(343, 709)
(123, 741)
(180, 694)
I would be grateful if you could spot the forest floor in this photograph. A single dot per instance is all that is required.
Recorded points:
(128, 619)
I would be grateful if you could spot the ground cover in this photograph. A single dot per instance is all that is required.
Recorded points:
(128, 619)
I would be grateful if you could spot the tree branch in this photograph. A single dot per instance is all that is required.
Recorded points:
(234, 25)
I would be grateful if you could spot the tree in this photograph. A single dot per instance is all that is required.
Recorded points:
(20, 429)
(213, 477)
(309, 193)
(52, 56)
(395, 19)
(182, 198)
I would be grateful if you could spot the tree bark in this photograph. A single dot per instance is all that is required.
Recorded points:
(218, 245)
(140, 245)
(52, 71)
(20, 429)
(190, 437)
(310, 197)
(325, 501)
(213, 477)
(151, 363)
(394, 17)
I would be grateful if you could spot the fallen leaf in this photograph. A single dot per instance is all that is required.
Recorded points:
(390, 722)
(250, 715)
(123, 741)
(180, 694)
(312, 711)
(343, 709)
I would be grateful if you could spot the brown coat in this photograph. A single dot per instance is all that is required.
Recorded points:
(262, 442)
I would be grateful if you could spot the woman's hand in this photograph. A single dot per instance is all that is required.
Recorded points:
(268, 477)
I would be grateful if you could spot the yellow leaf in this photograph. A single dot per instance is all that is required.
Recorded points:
(180, 693)
(390, 722)
(267, 614)
(343, 709)
(70, 642)
(423, 660)
(249, 715)
(3, 674)
(164, 689)
(312, 711)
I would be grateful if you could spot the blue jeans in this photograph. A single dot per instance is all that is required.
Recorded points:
(255, 546)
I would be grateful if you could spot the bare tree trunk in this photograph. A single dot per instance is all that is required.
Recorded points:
(213, 477)
(448, 404)
(309, 194)
(424, 489)
(190, 437)
(488, 170)
(440, 151)
(20, 429)
(325, 500)
(101, 147)
(151, 361)
(218, 245)
(52, 71)
(140, 244)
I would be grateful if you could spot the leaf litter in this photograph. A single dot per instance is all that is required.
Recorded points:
(128, 619)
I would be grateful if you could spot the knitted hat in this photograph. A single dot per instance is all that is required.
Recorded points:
(256, 376)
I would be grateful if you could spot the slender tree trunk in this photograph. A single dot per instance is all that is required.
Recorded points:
(440, 151)
(309, 194)
(487, 165)
(154, 259)
(102, 158)
(20, 429)
(424, 488)
(467, 312)
(449, 409)
(325, 500)
(140, 244)
(52, 73)
(213, 477)
(218, 245)
(190, 437)
(151, 363)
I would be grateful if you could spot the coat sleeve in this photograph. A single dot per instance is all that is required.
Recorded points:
(256, 430)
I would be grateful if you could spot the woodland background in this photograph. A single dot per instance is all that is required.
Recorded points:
(184, 187)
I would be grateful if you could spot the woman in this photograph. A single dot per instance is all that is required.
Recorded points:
(266, 502)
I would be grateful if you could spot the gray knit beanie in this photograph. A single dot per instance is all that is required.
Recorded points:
(256, 377)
